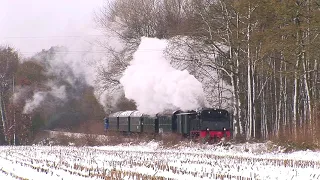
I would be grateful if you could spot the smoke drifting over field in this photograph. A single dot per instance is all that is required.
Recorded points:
(68, 69)
(65, 25)
(39, 97)
(33, 103)
(155, 85)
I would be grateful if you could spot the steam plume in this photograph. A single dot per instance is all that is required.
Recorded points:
(33, 103)
(155, 85)
(40, 96)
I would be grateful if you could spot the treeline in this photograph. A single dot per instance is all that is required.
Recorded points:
(267, 51)
(38, 93)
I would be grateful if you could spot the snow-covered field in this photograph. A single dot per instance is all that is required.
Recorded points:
(152, 161)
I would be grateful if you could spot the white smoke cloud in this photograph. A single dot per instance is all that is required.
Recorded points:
(155, 85)
(58, 92)
(55, 23)
(20, 93)
(35, 102)
(76, 68)
(63, 23)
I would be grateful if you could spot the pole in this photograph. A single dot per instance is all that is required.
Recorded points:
(14, 114)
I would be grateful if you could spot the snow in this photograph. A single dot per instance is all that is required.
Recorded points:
(152, 159)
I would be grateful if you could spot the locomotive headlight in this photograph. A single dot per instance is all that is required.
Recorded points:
(224, 132)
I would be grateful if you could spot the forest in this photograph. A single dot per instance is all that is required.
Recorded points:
(256, 58)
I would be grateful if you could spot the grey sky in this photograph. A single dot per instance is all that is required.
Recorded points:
(33, 25)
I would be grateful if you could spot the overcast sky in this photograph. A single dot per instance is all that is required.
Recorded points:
(33, 25)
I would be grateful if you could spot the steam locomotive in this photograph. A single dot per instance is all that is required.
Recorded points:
(207, 123)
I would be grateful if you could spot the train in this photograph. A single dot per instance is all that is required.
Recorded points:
(209, 124)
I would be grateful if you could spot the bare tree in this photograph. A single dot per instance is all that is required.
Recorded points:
(8, 65)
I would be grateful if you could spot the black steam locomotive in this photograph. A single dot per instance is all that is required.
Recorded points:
(209, 123)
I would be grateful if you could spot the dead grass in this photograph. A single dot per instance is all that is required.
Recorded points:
(64, 140)
(91, 127)
(306, 138)
(171, 139)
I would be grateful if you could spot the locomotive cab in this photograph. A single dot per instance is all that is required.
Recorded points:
(215, 124)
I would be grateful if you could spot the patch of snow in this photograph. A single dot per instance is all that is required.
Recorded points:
(151, 159)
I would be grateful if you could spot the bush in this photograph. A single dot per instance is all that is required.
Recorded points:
(305, 139)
